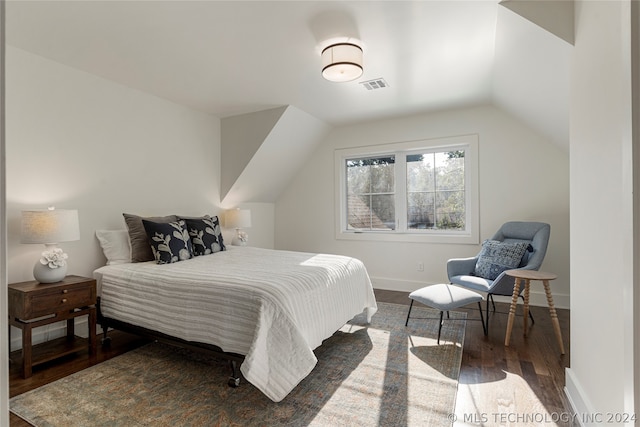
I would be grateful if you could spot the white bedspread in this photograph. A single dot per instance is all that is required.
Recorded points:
(274, 307)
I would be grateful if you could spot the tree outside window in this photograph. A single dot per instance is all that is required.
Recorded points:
(414, 191)
(435, 191)
(370, 193)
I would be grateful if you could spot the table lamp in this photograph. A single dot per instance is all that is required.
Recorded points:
(239, 219)
(50, 227)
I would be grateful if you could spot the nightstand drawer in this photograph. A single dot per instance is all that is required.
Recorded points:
(31, 299)
(60, 300)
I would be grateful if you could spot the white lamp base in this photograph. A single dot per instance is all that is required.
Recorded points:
(240, 239)
(238, 242)
(43, 274)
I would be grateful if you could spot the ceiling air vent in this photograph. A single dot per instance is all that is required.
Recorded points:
(374, 84)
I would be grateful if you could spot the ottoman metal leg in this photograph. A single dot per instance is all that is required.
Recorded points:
(485, 328)
(410, 307)
(440, 326)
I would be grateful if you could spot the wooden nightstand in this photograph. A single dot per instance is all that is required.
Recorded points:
(33, 304)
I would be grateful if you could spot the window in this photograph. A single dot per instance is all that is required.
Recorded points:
(371, 193)
(436, 190)
(414, 191)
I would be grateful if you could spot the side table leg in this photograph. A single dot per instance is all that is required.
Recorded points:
(71, 329)
(512, 311)
(554, 315)
(525, 307)
(93, 341)
(26, 351)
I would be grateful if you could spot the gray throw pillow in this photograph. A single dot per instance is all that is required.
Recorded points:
(496, 257)
(140, 246)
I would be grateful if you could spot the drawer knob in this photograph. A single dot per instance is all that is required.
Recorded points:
(64, 300)
(64, 291)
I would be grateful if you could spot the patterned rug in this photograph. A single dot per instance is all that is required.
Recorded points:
(381, 374)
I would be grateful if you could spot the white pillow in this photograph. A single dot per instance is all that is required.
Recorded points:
(115, 245)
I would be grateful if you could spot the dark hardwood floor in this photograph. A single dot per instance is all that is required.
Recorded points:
(522, 384)
(517, 385)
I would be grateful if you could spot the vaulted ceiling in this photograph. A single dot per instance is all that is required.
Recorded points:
(234, 57)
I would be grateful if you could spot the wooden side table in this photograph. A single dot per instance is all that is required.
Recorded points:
(527, 276)
(33, 304)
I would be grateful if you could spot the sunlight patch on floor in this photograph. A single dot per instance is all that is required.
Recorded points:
(354, 388)
(509, 392)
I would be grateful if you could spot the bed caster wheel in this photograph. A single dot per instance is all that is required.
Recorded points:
(106, 342)
(234, 382)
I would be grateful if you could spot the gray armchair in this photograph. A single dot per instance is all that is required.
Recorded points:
(461, 270)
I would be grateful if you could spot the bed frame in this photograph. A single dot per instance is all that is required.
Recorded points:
(235, 359)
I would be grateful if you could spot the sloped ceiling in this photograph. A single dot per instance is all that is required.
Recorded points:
(263, 151)
(557, 17)
(535, 87)
(230, 58)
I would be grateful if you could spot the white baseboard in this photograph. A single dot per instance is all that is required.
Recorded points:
(49, 332)
(583, 412)
(537, 298)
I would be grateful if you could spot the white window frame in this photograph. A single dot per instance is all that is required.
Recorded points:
(468, 143)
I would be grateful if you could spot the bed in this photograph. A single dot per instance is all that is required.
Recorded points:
(267, 309)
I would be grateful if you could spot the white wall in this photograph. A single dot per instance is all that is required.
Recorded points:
(78, 141)
(261, 232)
(522, 177)
(601, 376)
(4, 350)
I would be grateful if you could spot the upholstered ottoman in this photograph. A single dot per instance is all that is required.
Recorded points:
(445, 297)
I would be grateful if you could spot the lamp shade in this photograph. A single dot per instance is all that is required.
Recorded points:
(342, 62)
(238, 218)
(50, 226)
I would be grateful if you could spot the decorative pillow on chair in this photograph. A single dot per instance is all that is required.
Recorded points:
(169, 241)
(205, 234)
(496, 257)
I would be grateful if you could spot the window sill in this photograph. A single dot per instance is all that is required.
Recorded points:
(384, 236)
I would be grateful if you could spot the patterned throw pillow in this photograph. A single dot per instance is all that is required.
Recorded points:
(496, 257)
(206, 236)
(169, 241)
(140, 249)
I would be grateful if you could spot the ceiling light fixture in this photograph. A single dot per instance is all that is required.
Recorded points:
(342, 62)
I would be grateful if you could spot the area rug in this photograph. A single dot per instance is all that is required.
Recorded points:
(378, 374)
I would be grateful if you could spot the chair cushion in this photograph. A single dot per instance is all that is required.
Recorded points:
(445, 297)
(472, 282)
(497, 257)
